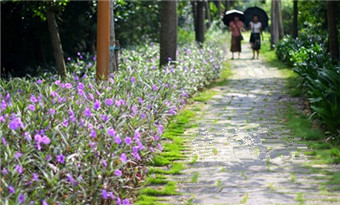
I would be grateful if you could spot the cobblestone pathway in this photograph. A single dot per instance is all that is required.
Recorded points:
(243, 151)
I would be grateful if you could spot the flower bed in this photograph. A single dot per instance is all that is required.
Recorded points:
(77, 142)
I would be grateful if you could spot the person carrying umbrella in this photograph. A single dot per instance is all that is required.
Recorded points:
(233, 19)
(257, 20)
(235, 27)
(256, 30)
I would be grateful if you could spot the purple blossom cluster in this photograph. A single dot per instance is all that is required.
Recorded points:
(89, 138)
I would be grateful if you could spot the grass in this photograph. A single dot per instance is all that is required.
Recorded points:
(299, 198)
(194, 177)
(245, 199)
(292, 178)
(214, 151)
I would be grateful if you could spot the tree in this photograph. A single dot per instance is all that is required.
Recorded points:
(168, 34)
(56, 42)
(199, 21)
(276, 19)
(295, 19)
(333, 43)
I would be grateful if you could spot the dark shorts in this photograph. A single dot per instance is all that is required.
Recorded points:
(255, 40)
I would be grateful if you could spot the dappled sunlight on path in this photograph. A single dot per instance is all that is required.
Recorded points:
(244, 151)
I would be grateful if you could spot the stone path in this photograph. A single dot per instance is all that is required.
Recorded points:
(242, 147)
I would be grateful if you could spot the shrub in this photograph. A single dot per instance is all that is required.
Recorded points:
(321, 75)
(80, 142)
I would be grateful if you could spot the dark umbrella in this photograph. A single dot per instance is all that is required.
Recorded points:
(260, 13)
(229, 16)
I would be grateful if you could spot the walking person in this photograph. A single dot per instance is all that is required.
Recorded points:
(235, 27)
(255, 37)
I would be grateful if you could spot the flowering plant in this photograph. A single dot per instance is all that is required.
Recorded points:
(76, 141)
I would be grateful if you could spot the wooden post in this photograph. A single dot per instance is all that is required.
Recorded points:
(103, 40)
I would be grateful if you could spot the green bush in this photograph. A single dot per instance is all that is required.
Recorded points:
(77, 141)
(321, 75)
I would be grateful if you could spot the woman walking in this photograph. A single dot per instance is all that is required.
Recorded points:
(235, 27)
(255, 41)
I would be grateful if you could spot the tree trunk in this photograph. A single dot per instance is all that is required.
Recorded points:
(200, 22)
(207, 14)
(295, 19)
(279, 19)
(218, 6)
(113, 66)
(56, 43)
(168, 34)
(276, 20)
(333, 43)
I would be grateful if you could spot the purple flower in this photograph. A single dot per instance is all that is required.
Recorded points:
(96, 105)
(61, 159)
(108, 102)
(133, 79)
(21, 198)
(11, 189)
(118, 140)
(33, 99)
(81, 86)
(51, 111)
(160, 129)
(118, 103)
(104, 163)
(15, 123)
(68, 85)
(44, 202)
(126, 202)
(48, 157)
(38, 138)
(71, 179)
(119, 201)
(3, 141)
(39, 81)
(68, 58)
(140, 100)
(154, 87)
(87, 112)
(128, 140)
(110, 194)
(172, 112)
(156, 137)
(45, 140)
(35, 177)
(4, 171)
(136, 136)
(104, 118)
(65, 123)
(17, 154)
(104, 194)
(111, 132)
(123, 157)
(169, 58)
(160, 147)
(118, 173)
(18, 168)
(93, 133)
